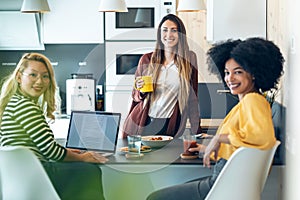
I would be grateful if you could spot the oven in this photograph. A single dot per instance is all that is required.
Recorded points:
(140, 22)
(121, 62)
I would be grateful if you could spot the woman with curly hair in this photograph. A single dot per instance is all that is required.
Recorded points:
(173, 68)
(249, 68)
(24, 95)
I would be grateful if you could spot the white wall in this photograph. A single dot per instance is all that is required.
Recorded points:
(292, 97)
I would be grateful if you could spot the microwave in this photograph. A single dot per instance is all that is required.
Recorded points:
(140, 22)
(122, 58)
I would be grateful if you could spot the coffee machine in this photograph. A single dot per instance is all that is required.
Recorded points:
(80, 93)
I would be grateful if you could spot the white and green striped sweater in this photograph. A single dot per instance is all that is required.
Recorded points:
(24, 124)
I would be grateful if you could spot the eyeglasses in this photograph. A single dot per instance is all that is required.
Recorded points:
(35, 76)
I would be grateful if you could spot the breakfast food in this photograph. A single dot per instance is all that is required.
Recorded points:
(156, 141)
(134, 156)
(125, 149)
(156, 138)
(144, 149)
(188, 156)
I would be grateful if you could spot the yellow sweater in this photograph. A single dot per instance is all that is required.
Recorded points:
(248, 124)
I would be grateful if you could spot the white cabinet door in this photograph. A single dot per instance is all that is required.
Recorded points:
(235, 19)
(20, 31)
(60, 128)
(73, 21)
(120, 102)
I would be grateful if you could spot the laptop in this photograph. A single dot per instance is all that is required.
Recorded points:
(94, 131)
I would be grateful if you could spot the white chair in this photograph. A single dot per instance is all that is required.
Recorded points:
(22, 176)
(244, 175)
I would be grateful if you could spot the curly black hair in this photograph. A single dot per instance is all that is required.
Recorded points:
(259, 57)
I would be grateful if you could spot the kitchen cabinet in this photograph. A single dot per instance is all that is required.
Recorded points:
(230, 19)
(118, 101)
(20, 31)
(236, 19)
(73, 22)
(60, 127)
(195, 23)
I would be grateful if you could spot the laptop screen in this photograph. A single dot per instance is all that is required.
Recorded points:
(91, 130)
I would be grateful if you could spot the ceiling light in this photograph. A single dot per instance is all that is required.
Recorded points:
(35, 6)
(191, 6)
(112, 6)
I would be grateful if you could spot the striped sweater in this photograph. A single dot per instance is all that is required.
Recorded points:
(24, 124)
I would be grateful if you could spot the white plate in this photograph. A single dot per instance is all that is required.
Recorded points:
(156, 141)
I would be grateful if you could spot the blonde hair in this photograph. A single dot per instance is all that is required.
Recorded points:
(182, 60)
(11, 85)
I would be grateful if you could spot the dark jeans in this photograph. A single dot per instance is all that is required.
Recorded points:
(156, 126)
(75, 180)
(192, 190)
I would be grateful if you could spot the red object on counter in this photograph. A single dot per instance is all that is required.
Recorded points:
(189, 144)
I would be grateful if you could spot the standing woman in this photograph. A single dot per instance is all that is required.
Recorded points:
(173, 68)
(24, 95)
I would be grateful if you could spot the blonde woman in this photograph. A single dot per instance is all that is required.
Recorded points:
(173, 68)
(24, 95)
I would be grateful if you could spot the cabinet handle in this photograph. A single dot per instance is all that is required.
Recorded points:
(223, 91)
(8, 64)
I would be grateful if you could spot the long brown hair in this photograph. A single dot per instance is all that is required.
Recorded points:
(182, 59)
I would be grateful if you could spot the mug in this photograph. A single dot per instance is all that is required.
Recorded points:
(148, 86)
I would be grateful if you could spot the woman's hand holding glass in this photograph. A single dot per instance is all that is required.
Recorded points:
(200, 148)
(139, 82)
(212, 147)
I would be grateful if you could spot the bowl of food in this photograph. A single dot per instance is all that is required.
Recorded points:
(156, 141)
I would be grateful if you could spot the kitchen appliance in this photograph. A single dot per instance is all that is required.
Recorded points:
(80, 93)
(140, 22)
(121, 62)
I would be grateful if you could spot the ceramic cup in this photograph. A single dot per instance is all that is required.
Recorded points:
(148, 86)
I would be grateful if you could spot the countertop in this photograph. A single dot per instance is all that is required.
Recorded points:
(169, 154)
